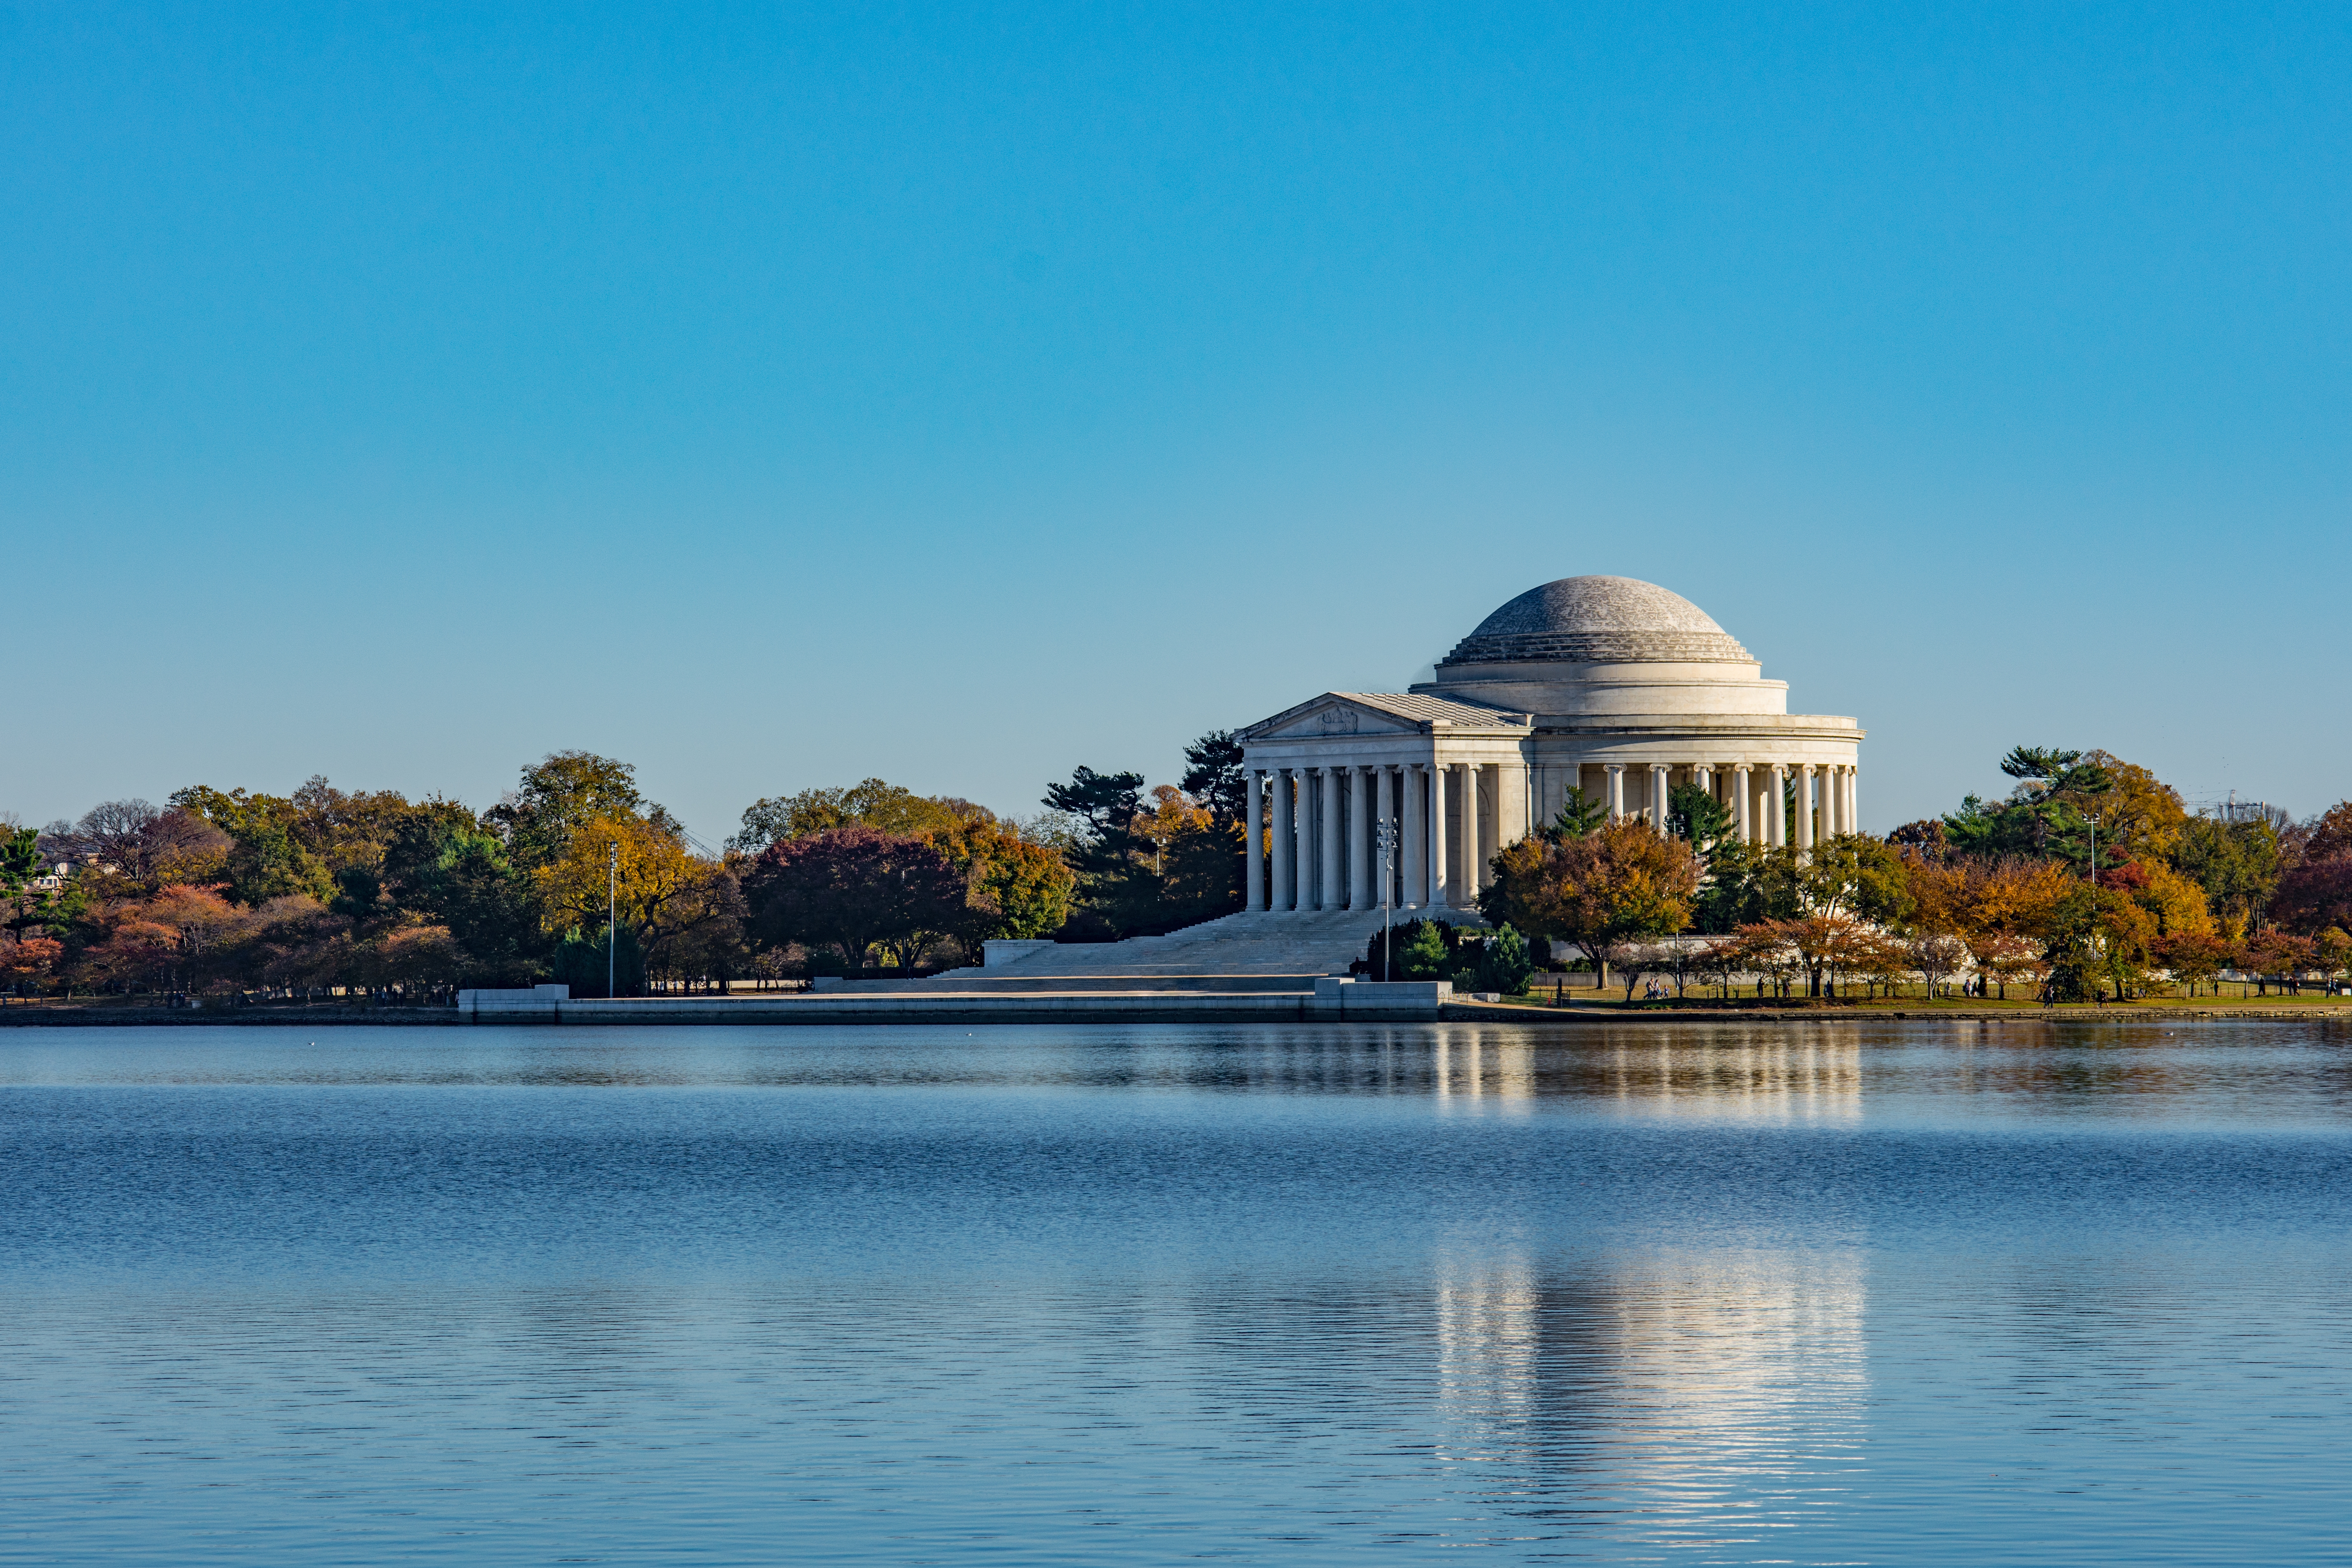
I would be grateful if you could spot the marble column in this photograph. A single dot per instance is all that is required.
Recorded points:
(1854, 795)
(1776, 818)
(1362, 893)
(1285, 848)
(1658, 792)
(1384, 810)
(1511, 795)
(1415, 847)
(1743, 806)
(1254, 846)
(1305, 836)
(1466, 781)
(1834, 786)
(1616, 772)
(1334, 869)
(1804, 808)
(1441, 882)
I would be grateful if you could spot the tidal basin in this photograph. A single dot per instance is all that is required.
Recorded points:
(1877, 1292)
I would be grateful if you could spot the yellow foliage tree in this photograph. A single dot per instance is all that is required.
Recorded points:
(656, 875)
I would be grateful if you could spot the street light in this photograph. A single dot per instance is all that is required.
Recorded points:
(2095, 850)
(612, 917)
(1387, 834)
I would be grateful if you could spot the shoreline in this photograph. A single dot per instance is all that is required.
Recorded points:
(1097, 1008)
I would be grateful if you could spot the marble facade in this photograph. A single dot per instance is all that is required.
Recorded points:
(1609, 684)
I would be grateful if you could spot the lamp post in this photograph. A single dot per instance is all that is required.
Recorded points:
(1387, 835)
(2094, 820)
(612, 918)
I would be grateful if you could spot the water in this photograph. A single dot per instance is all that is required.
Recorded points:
(1892, 1293)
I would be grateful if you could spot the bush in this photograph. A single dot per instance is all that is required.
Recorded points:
(1503, 963)
(1424, 950)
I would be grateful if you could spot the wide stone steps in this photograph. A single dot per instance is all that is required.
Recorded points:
(1239, 953)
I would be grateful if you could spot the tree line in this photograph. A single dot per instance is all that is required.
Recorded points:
(329, 890)
(574, 874)
(2091, 879)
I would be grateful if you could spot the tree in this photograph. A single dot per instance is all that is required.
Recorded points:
(1423, 950)
(2331, 955)
(2314, 895)
(581, 962)
(455, 874)
(2192, 958)
(1854, 874)
(2004, 956)
(2275, 954)
(1107, 803)
(643, 875)
(1503, 963)
(853, 889)
(870, 803)
(1117, 893)
(1011, 887)
(1746, 883)
(1767, 948)
(1213, 777)
(1882, 959)
(1714, 961)
(557, 795)
(1936, 956)
(1618, 884)
(1697, 817)
(1579, 815)
(2236, 863)
(2330, 835)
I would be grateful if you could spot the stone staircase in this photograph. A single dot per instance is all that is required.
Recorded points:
(1239, 953)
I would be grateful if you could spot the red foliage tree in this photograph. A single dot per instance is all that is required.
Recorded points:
(853, 889)
(2316, 895)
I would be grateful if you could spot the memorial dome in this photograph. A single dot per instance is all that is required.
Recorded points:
(1599, 620)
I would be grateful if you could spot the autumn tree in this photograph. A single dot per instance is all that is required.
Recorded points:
(852, 889)
(2004, 956)
(1013, 889)
(559, 794)
(2237, 865)
(871, 802)
(2191, 958)
(2314, 895)
(661, 892)
(1618, 884)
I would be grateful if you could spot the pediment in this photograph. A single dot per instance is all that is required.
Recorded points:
(1329, 715)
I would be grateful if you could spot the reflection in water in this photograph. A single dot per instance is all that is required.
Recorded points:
(1709, 1393)
(1794, 1071)
(1820, 1293)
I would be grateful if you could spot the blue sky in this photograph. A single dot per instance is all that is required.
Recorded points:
(777, 396)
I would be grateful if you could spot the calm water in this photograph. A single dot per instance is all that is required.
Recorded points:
(1863, 1293)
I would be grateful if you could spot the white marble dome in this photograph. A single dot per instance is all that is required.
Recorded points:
(1584, 645)
(1599, 620)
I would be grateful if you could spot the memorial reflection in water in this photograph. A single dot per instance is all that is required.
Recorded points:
(1799, 1071)
(1668, 1387)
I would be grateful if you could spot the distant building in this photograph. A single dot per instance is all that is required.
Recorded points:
(1609, 684)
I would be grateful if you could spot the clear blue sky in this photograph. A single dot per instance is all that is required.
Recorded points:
(773, 397)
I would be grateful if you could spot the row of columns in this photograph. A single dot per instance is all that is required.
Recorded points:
(1326, 852)
(1449, 819)
(1826, 795)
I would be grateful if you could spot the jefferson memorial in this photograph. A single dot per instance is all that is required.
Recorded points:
(1609, 684)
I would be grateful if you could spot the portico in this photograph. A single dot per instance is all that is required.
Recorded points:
(1609, 685)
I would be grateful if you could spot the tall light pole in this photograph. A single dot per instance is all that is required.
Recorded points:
(2095, 851)
(612, 917)
(1387, 834)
